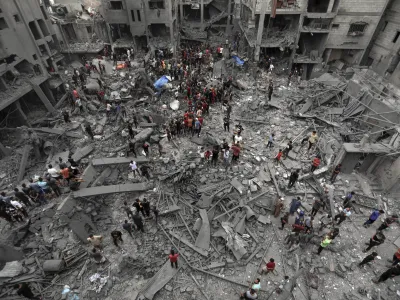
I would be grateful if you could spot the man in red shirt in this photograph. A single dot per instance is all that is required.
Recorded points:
(270, 266)
(396, 257)
(315, 163)
(235, 152)
(173, 258)
(278, 156)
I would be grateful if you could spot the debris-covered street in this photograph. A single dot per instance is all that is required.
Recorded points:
(196, 173)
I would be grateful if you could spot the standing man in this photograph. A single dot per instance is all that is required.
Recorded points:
(214, 159)
(137, 219)
(134, 168)
(226, 157)
(315, 163)
(89, 131)
(312, 139)
(146, 149)
(278, 207)
(226, 123)
(156, 212)
(96, 241)
(293, 178)
(335, 173)
(116, 236)
(294, 205)
(173, 258)
(373, 217)
(284, 220)
(235, 152)
(287, 149)
(270, 90)
(325, 242)
(316, 206)
(270, 143)
(139, 206)
(146, 207)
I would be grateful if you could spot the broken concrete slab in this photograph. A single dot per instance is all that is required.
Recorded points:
(237, 185)
(8, 253)
(189, 244)
(143, 135)
(159, 280)
(147, 125)
(105, 161)
(88, 176)
(112, 189)
(105, 174)
(171, 209)
(58, 131)
(315, 173)
(82, 152)
(53, 265)
(203, 239)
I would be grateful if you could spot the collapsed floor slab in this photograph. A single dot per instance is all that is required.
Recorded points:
(111, 189)
(105, 161)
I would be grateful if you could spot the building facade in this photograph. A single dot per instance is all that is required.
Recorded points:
(141, 23)
(29, 54)
(311, 33)
(384, 55)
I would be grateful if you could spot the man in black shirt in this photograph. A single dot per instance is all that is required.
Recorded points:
(25, 290)
(117, 236)
(293, 178)
(137, 219)
(139, 207)
(392, 272)
(146, 207)
(287, 149)
(22, 197)
(128, 227)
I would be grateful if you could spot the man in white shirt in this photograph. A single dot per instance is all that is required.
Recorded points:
(134, 168)
(108, 108)
(18, 206)
(53, 172)
(226, 157)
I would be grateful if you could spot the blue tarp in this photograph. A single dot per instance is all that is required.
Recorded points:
(238, 61)
(160, 82)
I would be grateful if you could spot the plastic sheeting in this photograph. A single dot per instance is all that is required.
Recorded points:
(161, 82)
(238, 61)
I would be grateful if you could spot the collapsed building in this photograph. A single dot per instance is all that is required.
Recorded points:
(311, 34)
(218, 218)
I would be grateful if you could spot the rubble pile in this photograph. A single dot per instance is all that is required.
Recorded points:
(223, 220)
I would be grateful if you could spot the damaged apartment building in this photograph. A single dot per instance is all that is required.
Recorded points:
(29, 84)
(312, 34)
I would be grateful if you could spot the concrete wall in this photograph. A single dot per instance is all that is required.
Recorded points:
(338, 38)
(301, 6)
(384, 50)
(388, 173)
(361, 6)
(17, 39)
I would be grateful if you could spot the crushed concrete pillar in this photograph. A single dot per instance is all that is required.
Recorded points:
(23, 117)
(44, 99)
(46, 89)
(260, 30)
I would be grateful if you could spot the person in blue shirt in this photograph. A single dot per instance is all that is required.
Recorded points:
(197, 128)
(373, 217)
